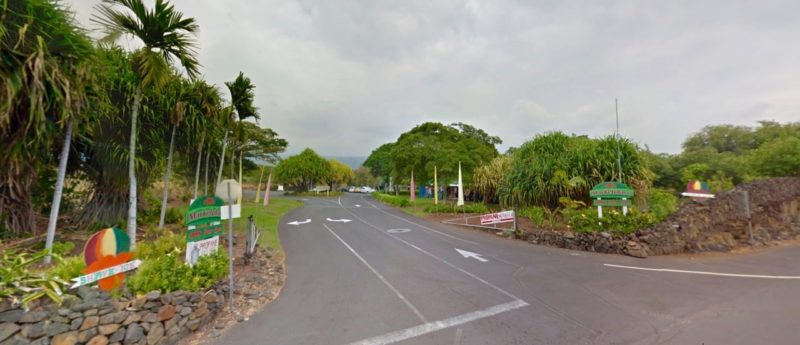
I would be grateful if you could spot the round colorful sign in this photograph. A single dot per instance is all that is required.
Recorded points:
(106, 242)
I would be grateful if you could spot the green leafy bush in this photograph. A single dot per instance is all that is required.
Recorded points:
(452, 208)
(662, 203)
(22, 284)
(169, 273)
(167, 244)
(59, 248)
(586, 220)
(391, 199)
(536, 214)
(69, 268)
(174, 216)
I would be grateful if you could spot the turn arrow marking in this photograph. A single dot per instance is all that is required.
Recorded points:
(338, 220)
(295, 223)
(468, 254)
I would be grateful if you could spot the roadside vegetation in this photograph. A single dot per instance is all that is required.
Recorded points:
(548, 178)
(95, 136)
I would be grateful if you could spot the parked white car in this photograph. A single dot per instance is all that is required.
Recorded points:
(352, 189)
(366, 189)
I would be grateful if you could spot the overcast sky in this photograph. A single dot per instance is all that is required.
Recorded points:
(343, 77)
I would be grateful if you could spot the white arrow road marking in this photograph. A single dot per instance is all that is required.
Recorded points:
(295, 223)
(357, 205)
(467, 254)
(704, 273)
(398, 231)
(338, 220)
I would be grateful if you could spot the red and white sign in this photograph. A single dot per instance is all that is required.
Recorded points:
(499, 217)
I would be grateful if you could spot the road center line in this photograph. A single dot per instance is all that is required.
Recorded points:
(429, 327)
(436, 257)
(704, 273)
(399, 295)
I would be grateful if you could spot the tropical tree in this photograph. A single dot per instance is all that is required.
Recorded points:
(303, 170)
(340, 174)
(44, 70)
(166, 36)
(379, 161)
(242, 100)
(556, 165)
(488, 178)
(175, 117)
(204, 118)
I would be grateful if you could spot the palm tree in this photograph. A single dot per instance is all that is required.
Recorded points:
(242, 97)
(176, 116)
(44, 58)
(166, 36)
(205, 117)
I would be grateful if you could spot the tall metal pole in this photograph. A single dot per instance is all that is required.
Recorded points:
(230, 247)
(616, 136)
(747, 214)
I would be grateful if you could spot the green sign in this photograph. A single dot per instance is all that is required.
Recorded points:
(611, 202)
(203, 218)
(611, 190)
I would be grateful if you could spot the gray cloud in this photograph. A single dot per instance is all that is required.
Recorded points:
(344, 77)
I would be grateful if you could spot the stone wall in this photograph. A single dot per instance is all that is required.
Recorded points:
(93, 317)
(718, 224)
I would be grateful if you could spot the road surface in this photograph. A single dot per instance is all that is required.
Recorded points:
(385, 277)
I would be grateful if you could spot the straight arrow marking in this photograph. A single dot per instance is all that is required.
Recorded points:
(339, 220)
(468, 254)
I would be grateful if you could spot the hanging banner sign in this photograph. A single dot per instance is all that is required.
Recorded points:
(105, 273)
(496, 218)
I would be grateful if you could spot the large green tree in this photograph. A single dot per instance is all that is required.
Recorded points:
(379, 161)
(301, 171)
(166, 36)
(433, 144)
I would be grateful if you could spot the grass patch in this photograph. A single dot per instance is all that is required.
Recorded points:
(422, 207)
(266, 219)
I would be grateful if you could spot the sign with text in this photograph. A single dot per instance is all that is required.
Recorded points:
(105, 273)
(203, 218)
(196, 249)
(611, 202)
(496, 218)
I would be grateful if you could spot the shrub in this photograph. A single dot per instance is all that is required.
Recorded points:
(174, 216)
(662, 203)
(167, 244)
(69, 268)
(169, 273)
(536, 214)
(586, 220)
(59, 248)
(391, 199)
(21, 284)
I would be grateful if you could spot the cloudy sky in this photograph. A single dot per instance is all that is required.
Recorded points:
(343, 77)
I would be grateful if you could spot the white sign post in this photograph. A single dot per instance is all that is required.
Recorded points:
(105, 273)
(232, 190)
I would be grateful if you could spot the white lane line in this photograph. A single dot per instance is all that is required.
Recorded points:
(436, 257)
(402, 298)
(429, 229)
(416, 331)
(457, 341)
(367, 201)
(704, 273)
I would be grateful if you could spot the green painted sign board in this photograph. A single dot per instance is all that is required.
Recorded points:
(203, 218)
(611, 190)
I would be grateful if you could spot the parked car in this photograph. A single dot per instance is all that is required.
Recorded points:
(351, 189)
(366, 189)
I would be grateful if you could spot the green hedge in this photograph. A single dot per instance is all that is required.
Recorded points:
(452, 208)
(391, 199)
(586, 220)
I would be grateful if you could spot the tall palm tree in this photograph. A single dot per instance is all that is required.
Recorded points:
(205, 118)
(242, 100)
(175, 116)
(166, 36)
(43, 61)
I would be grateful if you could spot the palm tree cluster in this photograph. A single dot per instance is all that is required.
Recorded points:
(73, 108)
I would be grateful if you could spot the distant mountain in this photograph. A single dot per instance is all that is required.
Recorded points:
(352, 161)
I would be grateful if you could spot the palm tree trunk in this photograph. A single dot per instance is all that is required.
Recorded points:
(199, 162)
(222, 159)
(241, 156)
(54, 208)
(208, 159)
(165, 195)
(137, 100)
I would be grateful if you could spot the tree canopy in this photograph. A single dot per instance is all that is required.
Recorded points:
(303, 170)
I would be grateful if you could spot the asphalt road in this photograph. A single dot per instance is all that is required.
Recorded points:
(386, 277)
